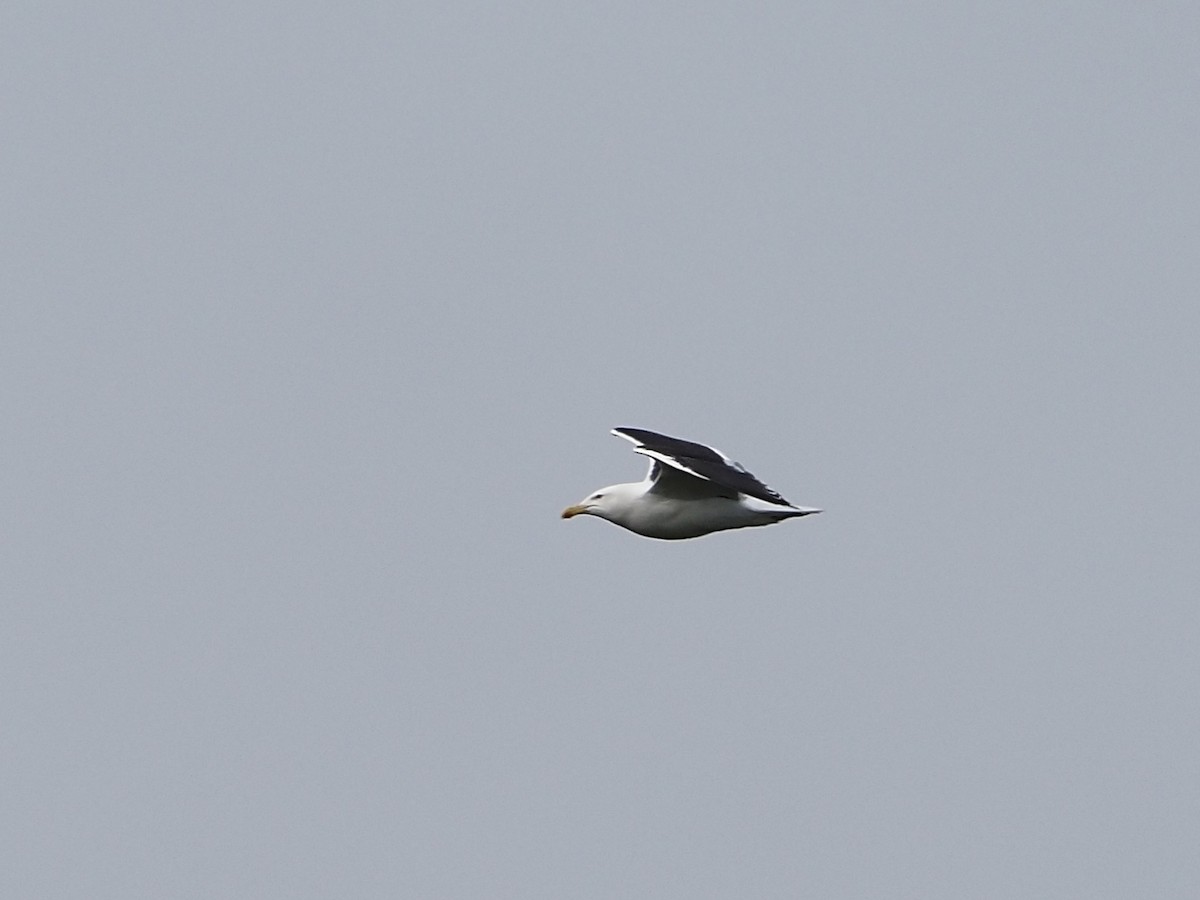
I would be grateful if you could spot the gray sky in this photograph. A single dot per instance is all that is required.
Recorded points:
(316, 315)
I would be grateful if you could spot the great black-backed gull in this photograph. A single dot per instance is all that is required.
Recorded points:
(690, 490)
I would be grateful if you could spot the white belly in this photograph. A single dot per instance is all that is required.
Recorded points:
(674, 520)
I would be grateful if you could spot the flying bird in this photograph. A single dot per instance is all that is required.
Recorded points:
(690, 490)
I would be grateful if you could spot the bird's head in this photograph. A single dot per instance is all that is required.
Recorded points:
(603, 503)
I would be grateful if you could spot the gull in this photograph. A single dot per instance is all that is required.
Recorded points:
(690, 490)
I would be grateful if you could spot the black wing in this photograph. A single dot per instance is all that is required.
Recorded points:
(700, 461)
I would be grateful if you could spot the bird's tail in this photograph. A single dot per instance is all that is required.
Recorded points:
(795, 511)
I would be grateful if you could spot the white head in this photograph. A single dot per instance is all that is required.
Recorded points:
(607, 503)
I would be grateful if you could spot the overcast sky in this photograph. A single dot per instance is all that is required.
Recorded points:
(315, 316)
